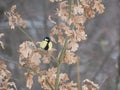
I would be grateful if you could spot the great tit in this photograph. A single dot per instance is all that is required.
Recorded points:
(46, 44)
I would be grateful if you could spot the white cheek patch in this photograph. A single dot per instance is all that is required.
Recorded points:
(46, 39)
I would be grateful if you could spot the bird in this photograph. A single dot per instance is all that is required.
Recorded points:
(46, 44)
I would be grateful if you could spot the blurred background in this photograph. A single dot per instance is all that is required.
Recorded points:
(98, 54)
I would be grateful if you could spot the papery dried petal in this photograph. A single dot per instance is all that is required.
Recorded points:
(1, 35)
(14, 18)
(13, 7)
(49, 76)
(5, 76)
(68, 86)
(63, 78)
(89, 85)
(98, 6)
(29, 78)
(35, 58)
(2, 45)
(26, 48)
(61, 40)
(78, 9)
(11, 86)
(73, 46)
(68, 32)
(89, 12)
(51, 20)
(70, 57)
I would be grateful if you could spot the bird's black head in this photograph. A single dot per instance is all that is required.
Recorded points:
(47, 39)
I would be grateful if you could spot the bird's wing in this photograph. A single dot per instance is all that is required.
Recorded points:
(50, 45)
(43, 44)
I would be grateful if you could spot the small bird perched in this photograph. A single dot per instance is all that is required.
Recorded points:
(46, 44)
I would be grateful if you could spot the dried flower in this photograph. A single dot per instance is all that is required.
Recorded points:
(26, 48)
(78, 9)
(98, 6)
(69, 86)
(70, 57)
(89, 12)
(55, 0)
(62, 11)
(15, 18)
(5, 76)
(29, 77)
(49, 76)
(1, 43)
(89, 85)
(11, 86)
(68, 33)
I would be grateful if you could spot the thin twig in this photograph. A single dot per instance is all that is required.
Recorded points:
(103, 82)
(8, 59)
(60, 59)
(104, 62)
(28, 36)
(78, 74)
(70, 7)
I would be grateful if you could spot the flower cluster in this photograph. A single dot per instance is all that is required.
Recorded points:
(30, 57)
(14, 18)
(67, 34)
(72, 17)
(5, 76)
(50, 76)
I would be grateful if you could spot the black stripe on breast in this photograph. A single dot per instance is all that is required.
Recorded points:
(47, 47)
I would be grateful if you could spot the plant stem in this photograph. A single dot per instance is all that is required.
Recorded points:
(70, 7)
(60, 59)
(78, 74)
(28, 36)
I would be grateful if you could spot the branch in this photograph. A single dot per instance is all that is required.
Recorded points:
(60, 59)
(78, 74)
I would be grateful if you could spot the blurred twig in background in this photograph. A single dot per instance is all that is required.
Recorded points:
(118, 64)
